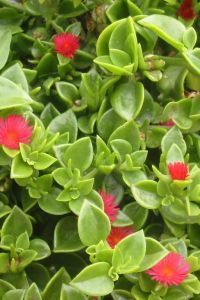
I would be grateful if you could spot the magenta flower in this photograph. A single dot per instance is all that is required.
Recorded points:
(110, 206)
(117, 234)
(14, 130)
(171, 270)
(186, 10)
(178, 170)
(66, 44)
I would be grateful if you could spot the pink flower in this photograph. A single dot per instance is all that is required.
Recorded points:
(110, 206)
(14, 130)
(186, 10)
(66, 44)
(178, 170)
(117, 234)
(171, 270)
(168, 123)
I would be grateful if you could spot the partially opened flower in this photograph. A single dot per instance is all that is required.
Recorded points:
(168, 123)
(186, 10)
(14, 130)
(173, 269)
(178, 170)
(110, 206)
(117, 234)
(66, 44)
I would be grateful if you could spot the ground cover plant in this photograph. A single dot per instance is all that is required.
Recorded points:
(99, 149)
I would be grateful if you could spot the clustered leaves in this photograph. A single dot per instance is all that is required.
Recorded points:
(99, 149)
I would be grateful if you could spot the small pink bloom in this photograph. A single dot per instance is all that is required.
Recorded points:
(66, 44)
(178, 170)
(117, 234)
(186, 10)
(168, 123)
(14, 130)
(171, 270)
(110, 206)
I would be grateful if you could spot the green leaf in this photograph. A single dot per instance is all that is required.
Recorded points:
(11, 95)
(16, 223)
(90, 89)
(41, 247)
(154, 253)
(20, 169)
(66, 238)
(93, 224)
(22, 241)
(5, 287)
(164, 26)
(25, 258)
(65, 122)
(127, 99)
(33, 293)
(44, 161)
(67, 92)
(15, 74)
(193, 59)
(52, 290)
(128, 132)
(126, 257)
(94, 280)
(137, 214)
(14, 294)
(4, 262)
(49, 204)
(108, 122)
(145, 193)
(190, 38)
(76, 152)
(70, 293)
(174, 135)
(174, 154)
(5, 37)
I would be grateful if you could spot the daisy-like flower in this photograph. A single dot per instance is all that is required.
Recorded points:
(173, 269)
(110, 206)
(117, 234)
(66, 44)
(186, 10)
(14, 130)
(178, 170)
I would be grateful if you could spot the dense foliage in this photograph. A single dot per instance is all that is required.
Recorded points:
(99, 149)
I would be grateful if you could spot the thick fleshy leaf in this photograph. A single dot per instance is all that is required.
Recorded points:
(65, 122)
(33, 293)
(164, 26)
(93, 224)
(66, 238)
(20, 169)
(41, 247)
(70, 293)
(137, 214)
(76, 152)
(5, 37)
(174, 135)
(154, 253)
(16, 223)
(67, 92)
(94, 280)
(52, 290)
(15, 74)
(127, 99)
(145, 193)
(128, 132)
(14, 294)
(126, 257)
